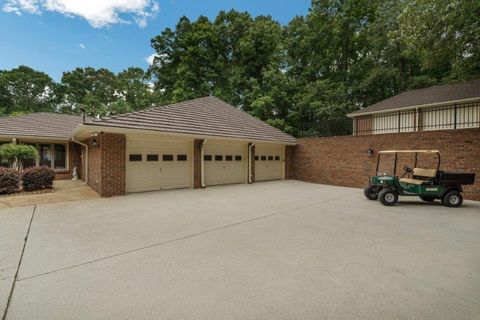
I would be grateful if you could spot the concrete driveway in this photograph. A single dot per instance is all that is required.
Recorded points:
(273, 250)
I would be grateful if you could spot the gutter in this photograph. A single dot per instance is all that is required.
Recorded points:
(202, 164)
(86, 158)
(250, 162)
(436, 104)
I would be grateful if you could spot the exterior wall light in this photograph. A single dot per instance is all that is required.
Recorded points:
(94, 140)
(370, 152)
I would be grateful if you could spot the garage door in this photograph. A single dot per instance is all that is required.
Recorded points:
(269, 162)
(224, 162)
(158, 164)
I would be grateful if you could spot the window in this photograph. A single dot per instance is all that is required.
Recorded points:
(167, 157)
(152, 157)
(270, 158)
(60, 156)
(45, 153)
(238, 158)
(53, 155)
(135, 157)
(181, 157)
(256, 158)
(218, 158)
(228, 158)
(207, 158)
(277, 158)
(263, 158)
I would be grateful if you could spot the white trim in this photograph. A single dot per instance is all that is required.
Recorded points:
(34, 138)
(354, 115)
(86, 130)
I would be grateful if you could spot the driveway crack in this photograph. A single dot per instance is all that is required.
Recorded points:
(19, 264)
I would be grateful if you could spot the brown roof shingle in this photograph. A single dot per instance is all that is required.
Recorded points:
(203, 116)
(435, 94)
(41, 124)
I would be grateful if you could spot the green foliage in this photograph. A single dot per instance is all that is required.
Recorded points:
(9, 180)
(17, 154)
(38, 178)
(302, 77)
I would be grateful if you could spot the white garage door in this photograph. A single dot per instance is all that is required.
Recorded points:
(269, 162)
(224, 162)
(158, 163)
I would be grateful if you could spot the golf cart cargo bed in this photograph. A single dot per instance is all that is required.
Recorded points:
(460, 178)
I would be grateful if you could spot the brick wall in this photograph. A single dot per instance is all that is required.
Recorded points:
(252, 164)
(289, 162)
(197, 163)
(344, 160)
(107, 164)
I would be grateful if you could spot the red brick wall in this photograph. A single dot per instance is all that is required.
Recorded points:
(344, 160)
(107, 164)
(197, 163)
(252, 166)
(289, 162)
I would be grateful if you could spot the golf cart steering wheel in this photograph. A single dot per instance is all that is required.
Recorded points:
(408, 170)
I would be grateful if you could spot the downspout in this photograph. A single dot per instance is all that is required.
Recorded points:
(250, 162)
(86, 158)
(202, 164)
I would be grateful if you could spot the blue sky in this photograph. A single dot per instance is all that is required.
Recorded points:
(78, 33)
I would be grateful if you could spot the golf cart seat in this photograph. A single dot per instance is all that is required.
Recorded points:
(420, 176)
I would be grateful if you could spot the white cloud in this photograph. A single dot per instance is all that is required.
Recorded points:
(150, 58)
(82, 46)
(99, 13)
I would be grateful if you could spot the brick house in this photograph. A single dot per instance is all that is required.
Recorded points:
(192, 144)
(442, 107)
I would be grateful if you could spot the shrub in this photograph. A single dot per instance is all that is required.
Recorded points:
(37, 178)
(17, 154)
(9, 180)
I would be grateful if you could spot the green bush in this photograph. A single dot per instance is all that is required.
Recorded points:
(9, 180)
(17, 154)
(38, 178)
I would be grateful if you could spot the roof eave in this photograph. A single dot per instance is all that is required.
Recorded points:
(436, 104)
(83, 131)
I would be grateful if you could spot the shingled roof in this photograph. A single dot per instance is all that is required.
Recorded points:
(41, 124)
(432, 95)
(207, 116)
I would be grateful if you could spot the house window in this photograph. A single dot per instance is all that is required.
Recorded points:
(167, 157)
(256, 158)
(263, 158)
(270, 158)
(218, 158)
(181, 157)
(277, 158)
(238, 158)
(152, 157)
(228, 158)
(135, 157)
(53, 155)
(207, 158)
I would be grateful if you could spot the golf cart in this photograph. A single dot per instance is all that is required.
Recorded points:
(428, 184)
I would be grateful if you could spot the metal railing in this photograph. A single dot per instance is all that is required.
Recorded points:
(461, 116)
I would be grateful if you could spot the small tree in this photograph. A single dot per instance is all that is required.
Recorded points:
(17, 154)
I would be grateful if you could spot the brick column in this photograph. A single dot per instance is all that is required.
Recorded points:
(113, 164)
(289, 157)
(252, 163)
(197, 163)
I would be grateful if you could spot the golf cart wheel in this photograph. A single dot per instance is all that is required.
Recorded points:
(452, 199)
(427, 198)
(388, 197)
(371, 193)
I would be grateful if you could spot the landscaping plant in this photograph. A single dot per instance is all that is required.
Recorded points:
(18, 154)
(38, 178)
(9, 180)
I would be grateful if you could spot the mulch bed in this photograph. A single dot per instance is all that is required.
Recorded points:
(21, 192)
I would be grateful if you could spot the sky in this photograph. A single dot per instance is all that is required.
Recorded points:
(59, 35)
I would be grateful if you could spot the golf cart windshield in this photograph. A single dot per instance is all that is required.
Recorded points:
(395, 154)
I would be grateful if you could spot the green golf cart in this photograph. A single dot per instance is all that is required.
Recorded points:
(428, 184)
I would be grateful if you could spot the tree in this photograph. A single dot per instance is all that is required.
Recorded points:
(18, 154)
(25, 90)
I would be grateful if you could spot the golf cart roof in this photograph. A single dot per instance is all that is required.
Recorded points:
(409, 151)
